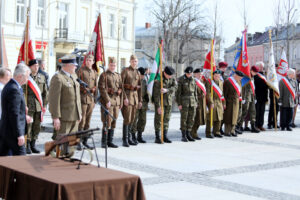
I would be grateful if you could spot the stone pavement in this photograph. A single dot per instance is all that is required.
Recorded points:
(252, 166)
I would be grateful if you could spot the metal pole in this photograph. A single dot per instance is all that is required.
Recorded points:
(161, 94)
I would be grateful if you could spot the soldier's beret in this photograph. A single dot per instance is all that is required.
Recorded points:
(169, 70)
(32, 62)
(255, 68)
(198, 70)
(189, 69)
(111, 60)
(239, 73)
(223, 64)
(142, 70)
(217, 72)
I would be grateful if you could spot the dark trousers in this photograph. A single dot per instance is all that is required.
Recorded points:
(286, 116)
(260, 113)
(8, 148)
(271, 113)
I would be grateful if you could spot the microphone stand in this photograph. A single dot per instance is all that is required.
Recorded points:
(106, 114)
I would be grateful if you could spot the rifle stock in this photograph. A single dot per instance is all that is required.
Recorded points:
(49, 146)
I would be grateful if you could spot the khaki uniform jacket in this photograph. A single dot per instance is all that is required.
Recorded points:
(90, 77)
(218, 104)
(131, 78)
(186, 95)
(110, 87)
(144, 93)
(286, 99)
(232, 103)
(201, 108)
(64, 97)
(169, 84)
(247, 93)
(32, 102)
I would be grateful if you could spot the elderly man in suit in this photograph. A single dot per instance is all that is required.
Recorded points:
(64, 98)
(13, 119)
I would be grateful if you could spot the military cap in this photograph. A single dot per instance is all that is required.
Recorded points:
(142, 70)
(189, 69)
(239, 73)
(112, 60)
(217, 72)
(223, 64)
(133, 57)
(255, 68)
(32, 62)
(198, 70)
(68, 59)
(169, 70)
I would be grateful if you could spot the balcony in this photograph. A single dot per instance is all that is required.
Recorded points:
(65, 35)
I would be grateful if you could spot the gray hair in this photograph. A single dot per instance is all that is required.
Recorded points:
(4, 72)
(290, 71)
(260, 63)
(21, 69)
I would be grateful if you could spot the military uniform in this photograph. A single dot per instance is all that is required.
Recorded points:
(186, 97)
(171, 86)
(131, 83)
(110, 87)
(34, 108)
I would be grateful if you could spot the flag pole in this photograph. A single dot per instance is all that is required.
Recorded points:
(26, 49)
(161, 94)
(211, 76)
(274, 101)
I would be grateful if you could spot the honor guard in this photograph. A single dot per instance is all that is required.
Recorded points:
(36, 94)
(168, 89)
(222, 68)
(187, 98)
(110, 87)
(132, 99)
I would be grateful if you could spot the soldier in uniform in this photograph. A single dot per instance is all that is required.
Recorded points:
(201, 107)
(222, 68)
(248, 103)
(88, 75)
(232, 91)
(110, 87)
(35, 109)
(217, 104)
(187, 98)
(132, 98)
(168, 89)
(141, 114)
(64, 99)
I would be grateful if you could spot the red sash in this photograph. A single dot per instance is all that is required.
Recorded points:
(262, 77)
(216, 89)
(236, 86)
(201, 86)
(252, 87)
(36, 90)
(289, 86)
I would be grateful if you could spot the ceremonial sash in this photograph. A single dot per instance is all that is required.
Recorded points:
(236, 86)
(217, 89)
(289, 86)
(36, 90)
(252, 87)
(200, 85)
(262, 77)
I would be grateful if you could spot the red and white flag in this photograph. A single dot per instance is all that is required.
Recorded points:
(96, 46)
(26, 52)
(208, 60)
(37, 92)
(283, 67)
(201, 85)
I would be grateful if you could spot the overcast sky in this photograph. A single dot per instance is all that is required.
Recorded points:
(259, 12)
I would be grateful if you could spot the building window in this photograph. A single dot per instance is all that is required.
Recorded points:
(40, 13)
(124, 28)
(21, 11)
(63, 15)
(123, 62)
(112, 25)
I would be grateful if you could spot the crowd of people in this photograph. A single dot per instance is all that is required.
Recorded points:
(219, 102)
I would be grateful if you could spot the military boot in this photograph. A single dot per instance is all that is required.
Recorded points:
(110, 139)
(140, 138)
(103, 139)
(84, 142)
(33, 148)
(125, 136)
(189, 137)
(28, 150)
(166, 139)
(129, 136)
(157, 137)
(254, 129)
(183, 137)
(134, 138)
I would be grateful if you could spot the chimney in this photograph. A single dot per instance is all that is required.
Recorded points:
(147, 25)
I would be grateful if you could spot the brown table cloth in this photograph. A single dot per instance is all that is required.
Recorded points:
(43, 178)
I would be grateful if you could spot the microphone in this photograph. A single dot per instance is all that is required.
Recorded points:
(82, 83)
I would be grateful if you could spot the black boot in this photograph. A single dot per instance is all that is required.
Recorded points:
(157, 137)
(28, 150)
(110, 139)
(140, 138)
(103, 139)
(129, 136)
(84, 142)
(125, 136)
(33, 148)
(166, 139)
(254, 129)
(134, 138)
(183, 137)
(189, 137)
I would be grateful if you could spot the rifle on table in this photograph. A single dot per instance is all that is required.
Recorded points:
(71, 138)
